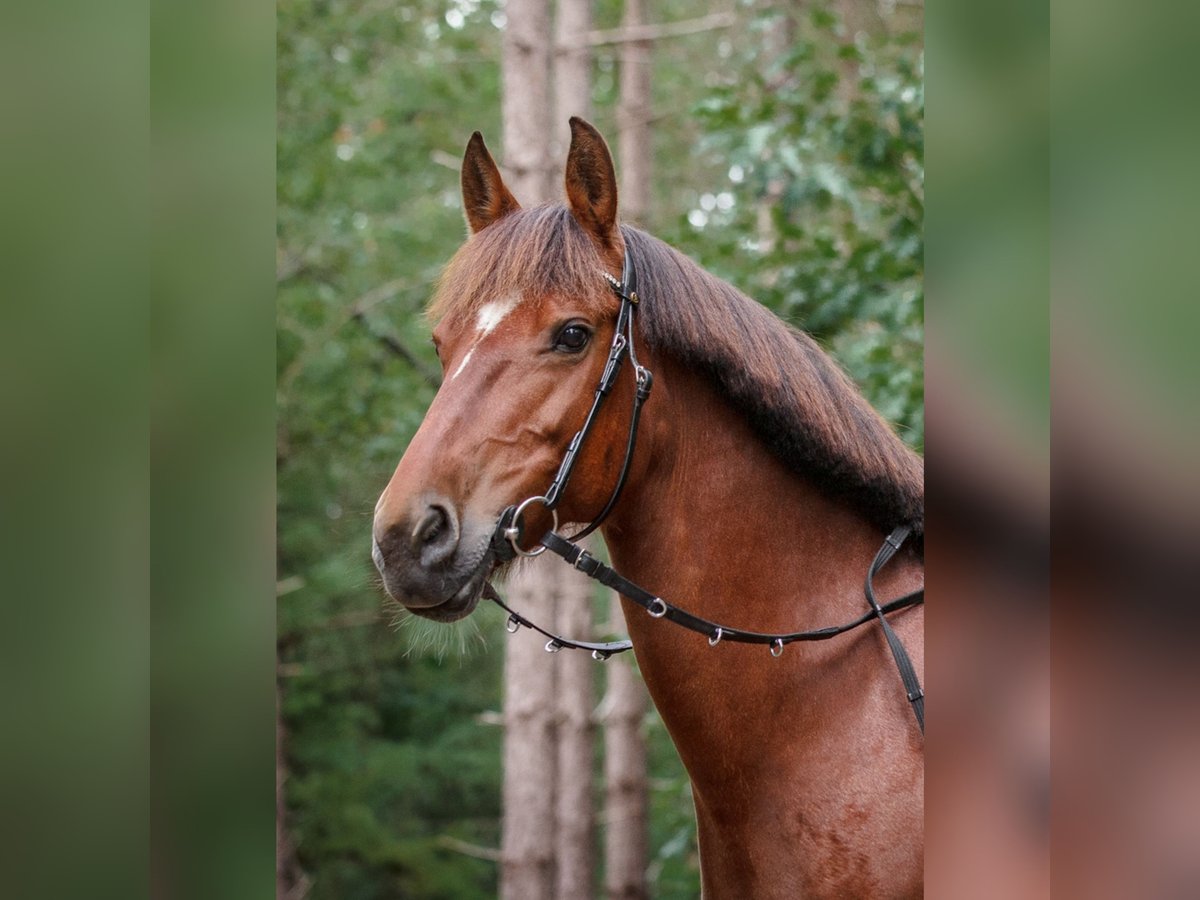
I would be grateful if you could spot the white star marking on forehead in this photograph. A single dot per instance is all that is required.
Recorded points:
(492, 314)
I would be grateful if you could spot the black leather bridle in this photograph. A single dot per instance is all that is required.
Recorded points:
(505, 542)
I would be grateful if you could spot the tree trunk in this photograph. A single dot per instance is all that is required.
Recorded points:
(626, 843)
(626, 836)
(525, 103)
(776, 42)
(572, 72)
(575, 814)
(530, 753)
(634, 112)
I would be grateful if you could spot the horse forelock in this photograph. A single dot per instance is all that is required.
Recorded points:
(526, 256)
(804, 408)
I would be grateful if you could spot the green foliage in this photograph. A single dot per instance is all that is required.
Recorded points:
(818, 209)
(385, 754)
(799, 174)
(674, 869)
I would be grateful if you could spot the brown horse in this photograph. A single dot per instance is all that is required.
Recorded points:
(761, 486)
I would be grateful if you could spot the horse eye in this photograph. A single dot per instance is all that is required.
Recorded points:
(572, 339)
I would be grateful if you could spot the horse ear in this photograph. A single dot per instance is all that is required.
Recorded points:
(485, 198)
(592, 183)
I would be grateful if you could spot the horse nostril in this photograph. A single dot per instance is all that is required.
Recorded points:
(435, 536)
(431, 525)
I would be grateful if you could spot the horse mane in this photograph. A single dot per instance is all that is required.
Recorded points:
(795, 397)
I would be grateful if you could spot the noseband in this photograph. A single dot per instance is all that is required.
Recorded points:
(505, 543)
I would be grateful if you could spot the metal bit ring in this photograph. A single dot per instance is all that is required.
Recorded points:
(513, 531)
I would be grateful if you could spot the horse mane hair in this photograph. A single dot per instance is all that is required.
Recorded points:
(804, 408)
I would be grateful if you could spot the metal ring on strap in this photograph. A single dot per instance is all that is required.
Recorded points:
(716, 637)
(513, 531)
(657, 608)
(777, 647)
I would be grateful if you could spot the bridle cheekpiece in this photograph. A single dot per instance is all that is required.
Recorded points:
(622, 346)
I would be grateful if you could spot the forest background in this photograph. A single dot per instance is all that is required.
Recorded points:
(787, 159)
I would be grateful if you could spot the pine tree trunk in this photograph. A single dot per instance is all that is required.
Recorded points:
(776, 43)
(575, 847)
(634, 112)
(575, 840)
(530, 752)
(525, 102)
(626, 838)
(626, 842)
(572, 72)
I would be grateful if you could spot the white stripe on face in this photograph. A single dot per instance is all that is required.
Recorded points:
(462, 365)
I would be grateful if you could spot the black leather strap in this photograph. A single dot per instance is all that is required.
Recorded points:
(622, 346)
(661, 609)
(644, 382)
(912, 684)
(502, 551)
(599, 650)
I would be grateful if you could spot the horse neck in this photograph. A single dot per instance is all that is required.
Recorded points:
(708, 506)
(715, 523)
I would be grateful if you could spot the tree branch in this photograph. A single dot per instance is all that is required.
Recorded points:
(371, 298)
(397, 348)
(442, 158)
(288, 267)
(296, 265)
(640, 33)
(356, 312)
(452, 843)
(289, 584)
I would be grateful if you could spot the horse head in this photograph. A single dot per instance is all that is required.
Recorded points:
(524, 319)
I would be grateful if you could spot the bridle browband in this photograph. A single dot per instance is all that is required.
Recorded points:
(505, 542)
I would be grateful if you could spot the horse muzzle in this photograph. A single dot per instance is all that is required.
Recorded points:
(426, 563)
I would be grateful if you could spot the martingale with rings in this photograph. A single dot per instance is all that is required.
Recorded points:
(506, 540)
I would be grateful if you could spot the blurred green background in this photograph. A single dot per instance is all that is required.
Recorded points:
(791, 167)
(141, 274)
